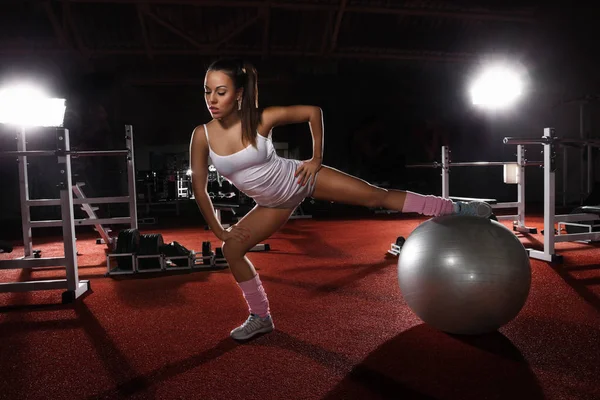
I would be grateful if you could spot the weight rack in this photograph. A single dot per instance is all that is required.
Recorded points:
(195, 262)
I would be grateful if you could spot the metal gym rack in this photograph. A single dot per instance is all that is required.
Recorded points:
(63, 153)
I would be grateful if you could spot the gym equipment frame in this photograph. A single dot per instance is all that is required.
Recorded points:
(63, 153)
(520, 164)
(549, 142)
(82, 200)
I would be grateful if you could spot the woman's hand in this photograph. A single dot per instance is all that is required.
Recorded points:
(307, 171)
(234, 232)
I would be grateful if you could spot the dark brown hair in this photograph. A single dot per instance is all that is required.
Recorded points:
(244, 76)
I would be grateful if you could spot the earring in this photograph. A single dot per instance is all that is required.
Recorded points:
(239, 104)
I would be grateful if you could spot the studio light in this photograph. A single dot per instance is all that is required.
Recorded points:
(26, 106)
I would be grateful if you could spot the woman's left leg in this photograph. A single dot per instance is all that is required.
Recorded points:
(337, 186)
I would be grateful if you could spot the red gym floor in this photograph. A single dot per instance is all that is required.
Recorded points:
(343, 330)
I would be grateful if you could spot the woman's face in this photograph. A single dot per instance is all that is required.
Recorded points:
(220, 94)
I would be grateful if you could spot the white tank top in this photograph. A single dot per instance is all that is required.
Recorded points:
(260, 173)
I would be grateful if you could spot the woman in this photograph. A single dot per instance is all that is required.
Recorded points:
(238, 142)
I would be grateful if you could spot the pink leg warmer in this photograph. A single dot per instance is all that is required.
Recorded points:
(427, 204)
(255, 296)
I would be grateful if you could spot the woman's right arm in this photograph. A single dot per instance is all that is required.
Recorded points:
(199, 167)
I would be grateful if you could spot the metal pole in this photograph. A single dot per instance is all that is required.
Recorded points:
(24, 194)
(67, 213)
(131, 177)
(549, 194)
(514, 140)
(31, 153)
(521, 186)
(590, 170)
(582, 152)
(479, 164)
(52, 153)
(565, 180)
(94, 153)
(445, 172)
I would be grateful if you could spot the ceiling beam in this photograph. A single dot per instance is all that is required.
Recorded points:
(189, 81)
(68, 13)
(338, 23)
(141, 18)
(172, 28)
(474, 14)
(468, 15)
(326, 31)
(83, 54)
(391, 54)
(63, 36)
(239, 29)
(368, 54)
(266, 28)
(59, 31)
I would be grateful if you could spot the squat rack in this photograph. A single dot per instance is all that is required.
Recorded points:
(520, 163)
(549, 142)
(63, 153)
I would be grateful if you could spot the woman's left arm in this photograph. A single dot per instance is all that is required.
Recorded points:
(275, 116)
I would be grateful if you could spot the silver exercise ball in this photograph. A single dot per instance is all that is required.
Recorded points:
(464, 275)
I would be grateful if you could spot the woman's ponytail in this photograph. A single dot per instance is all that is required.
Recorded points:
(250, 113)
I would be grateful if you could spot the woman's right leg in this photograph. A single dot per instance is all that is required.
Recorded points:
(261, 222)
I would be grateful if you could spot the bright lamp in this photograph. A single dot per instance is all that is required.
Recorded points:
(26, 106)
(496, 87)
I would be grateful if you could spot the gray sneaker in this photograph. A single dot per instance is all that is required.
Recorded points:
(253, 326)
(473, 208)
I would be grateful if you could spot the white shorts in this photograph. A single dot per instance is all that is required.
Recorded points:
(289, 194)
